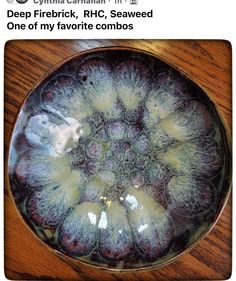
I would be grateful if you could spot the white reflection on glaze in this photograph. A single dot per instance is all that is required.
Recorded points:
(142, 227)
(132, 202)
(61, 135)
(92, 217)
(103, 220)
(58, 139)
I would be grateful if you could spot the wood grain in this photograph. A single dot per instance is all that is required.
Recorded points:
(208, 63)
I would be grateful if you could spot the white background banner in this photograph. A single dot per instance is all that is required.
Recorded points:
(155, 19)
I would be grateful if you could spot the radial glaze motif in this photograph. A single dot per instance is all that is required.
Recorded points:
(118, 160)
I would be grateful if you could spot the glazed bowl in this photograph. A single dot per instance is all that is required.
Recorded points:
(119, 161)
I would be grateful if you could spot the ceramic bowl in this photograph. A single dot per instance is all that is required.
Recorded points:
(118, 160)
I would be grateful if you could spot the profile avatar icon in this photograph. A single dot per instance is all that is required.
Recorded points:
(21, 1)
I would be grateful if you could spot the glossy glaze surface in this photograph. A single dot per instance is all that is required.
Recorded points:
(118, 160)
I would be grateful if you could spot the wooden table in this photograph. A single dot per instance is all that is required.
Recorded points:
(208, 63)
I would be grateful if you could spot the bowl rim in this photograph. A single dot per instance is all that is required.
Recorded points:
(228, 139)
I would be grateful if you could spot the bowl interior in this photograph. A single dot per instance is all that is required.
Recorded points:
(118, 160)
